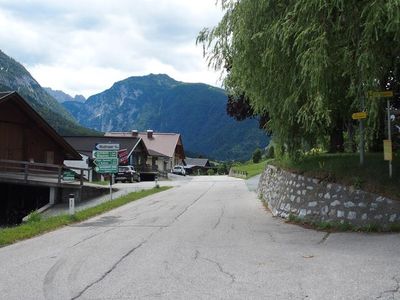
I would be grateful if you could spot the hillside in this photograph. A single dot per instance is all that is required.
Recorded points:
(158, 102)
(61, 97)
(14, 77)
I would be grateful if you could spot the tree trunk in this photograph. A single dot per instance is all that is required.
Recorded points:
(336, 139)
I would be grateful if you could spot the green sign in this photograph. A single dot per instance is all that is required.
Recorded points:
(106, 161)
(68, 175)
(105, 154)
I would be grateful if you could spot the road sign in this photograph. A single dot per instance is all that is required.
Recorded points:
(384, 94)
(359, 115)
(387, 150)
(104, 154)
(68, 175)
(123, 156)
(105, 161)
(107, 147)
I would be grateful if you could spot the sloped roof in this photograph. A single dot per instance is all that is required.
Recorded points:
(70, 152)
(86, 144)
(198, 162)
(160, 144)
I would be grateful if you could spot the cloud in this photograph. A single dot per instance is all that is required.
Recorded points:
(83, 47)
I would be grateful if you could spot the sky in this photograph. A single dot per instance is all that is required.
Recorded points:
(84, 46)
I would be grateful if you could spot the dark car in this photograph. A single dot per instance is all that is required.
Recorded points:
(127, 174)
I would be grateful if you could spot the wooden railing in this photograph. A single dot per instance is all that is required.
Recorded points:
(30, 171)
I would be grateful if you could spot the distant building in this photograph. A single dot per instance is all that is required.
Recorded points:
(165, 149)
(197, 165)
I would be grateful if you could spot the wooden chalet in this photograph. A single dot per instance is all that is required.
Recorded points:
(31, 159)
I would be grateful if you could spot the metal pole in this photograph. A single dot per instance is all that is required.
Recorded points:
(71, 204)
(389, 136)
(362, 133)
(111, 179)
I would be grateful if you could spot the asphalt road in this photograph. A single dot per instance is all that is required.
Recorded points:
(208, 238)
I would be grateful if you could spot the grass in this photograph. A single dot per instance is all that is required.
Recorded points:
(345, 169)
(37, 225)
(341, 227)
(104, 182)
(251, 168)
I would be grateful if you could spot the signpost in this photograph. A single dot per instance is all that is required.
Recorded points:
(106, 160)
(359, 115)
(387, 144)
(68, 175)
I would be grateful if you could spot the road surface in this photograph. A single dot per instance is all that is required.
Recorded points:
(208, 238)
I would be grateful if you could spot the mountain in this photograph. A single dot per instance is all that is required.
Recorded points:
(61, 97)
(14, 77)
(158, 102)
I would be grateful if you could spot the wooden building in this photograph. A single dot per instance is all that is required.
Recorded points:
(26, 136)
(31, 159)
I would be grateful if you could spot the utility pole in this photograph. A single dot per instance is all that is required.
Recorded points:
(362, 133)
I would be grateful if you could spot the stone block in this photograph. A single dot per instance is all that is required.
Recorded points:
(349, 204)
(340, 213)
(302, 213)
(335, 203)
(351, 215)
(327, 196)
(392, 218)
(312, 204)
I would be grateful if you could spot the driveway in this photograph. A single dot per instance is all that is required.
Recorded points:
(209, 238)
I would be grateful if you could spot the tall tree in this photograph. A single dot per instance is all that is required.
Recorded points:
(305, 62)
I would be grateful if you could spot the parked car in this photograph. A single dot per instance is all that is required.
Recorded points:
(180, 170)
(127, 174)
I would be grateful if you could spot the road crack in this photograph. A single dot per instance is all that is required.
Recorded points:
(191, 204)
(114, 266)
(219, 266)
(219, 218)
(324, 238)
(394, 291)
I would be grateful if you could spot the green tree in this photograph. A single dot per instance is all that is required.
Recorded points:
(257, 155)
(306, 63)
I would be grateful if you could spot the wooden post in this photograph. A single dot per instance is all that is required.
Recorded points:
(26, 170)
(59, 174)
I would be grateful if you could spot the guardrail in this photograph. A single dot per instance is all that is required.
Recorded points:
(237, 173)
(31, 171)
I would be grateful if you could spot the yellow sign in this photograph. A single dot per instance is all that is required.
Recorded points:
(387, 150)
(359, 115)
(385, 94)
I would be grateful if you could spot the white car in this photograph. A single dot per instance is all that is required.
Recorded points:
(180, 170)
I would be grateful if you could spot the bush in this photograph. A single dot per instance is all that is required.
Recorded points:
(257, 155)
(222, 169)
(34, 217)
(270, 151)
(210, 172)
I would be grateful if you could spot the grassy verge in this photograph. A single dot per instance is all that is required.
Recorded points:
(104, 182)
(251, 168)
(341, 227)
(345, 169)
(36, 225)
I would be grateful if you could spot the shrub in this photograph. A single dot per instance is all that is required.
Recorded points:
(34, 217)
(270, 151)
(257, 155)
(210, 172)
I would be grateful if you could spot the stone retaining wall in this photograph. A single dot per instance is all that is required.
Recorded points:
(288, 193)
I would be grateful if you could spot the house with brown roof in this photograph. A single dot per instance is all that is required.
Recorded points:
(165, 149)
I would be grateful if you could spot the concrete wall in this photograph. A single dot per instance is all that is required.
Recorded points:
(288, 193)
